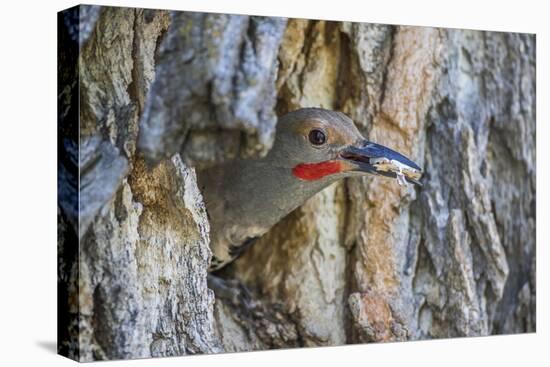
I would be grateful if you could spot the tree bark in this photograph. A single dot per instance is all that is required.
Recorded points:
(164, 94)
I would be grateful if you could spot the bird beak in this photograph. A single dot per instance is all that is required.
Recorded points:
(377, 159)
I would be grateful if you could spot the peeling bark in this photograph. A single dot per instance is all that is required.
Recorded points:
(226, 67)
(162, 94)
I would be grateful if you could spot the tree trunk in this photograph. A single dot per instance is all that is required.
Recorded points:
(147, 97)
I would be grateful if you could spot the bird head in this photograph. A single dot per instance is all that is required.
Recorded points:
(317, 144)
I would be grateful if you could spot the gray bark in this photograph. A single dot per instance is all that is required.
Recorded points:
(365, 260)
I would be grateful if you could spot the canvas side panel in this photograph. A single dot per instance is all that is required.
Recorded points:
(67, 182)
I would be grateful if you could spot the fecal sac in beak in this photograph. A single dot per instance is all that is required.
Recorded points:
(378, 159)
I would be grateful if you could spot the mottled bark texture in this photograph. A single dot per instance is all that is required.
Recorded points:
(146, 97)
(214, 90)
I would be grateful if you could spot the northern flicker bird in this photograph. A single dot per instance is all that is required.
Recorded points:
(313, 148)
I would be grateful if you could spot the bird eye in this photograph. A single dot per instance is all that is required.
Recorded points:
(317, 137)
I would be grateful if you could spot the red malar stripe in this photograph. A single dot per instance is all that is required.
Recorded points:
(315, 171)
